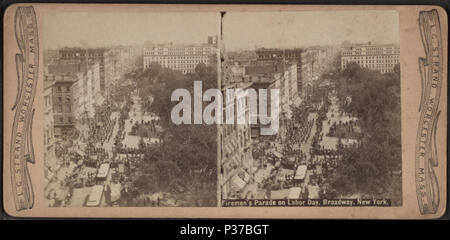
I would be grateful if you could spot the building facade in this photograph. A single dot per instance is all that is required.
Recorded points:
(315, 62)
(293, 56)
(277, 75)
(89, 55)
(237, 164)
(235, 145)
(379, 57)
(183, 58)
(65, 67)
(118, 61)
(87, 93)
(58, 102)
(49, 131)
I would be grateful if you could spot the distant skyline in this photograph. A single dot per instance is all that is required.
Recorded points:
(247, 31)
(81, 29)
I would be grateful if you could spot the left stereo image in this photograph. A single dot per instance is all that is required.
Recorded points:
(109, 136)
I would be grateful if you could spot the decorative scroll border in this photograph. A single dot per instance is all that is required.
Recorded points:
(431, 72)
(27, 66)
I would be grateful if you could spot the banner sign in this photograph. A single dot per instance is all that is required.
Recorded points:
(27, 64)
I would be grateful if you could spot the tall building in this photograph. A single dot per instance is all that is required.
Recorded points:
(183, 58)
(293, 56)
(282, 76)
(91, 55)
(87, 92)
(118, 61)
(65, 67)
(242, 57)
(113, 67)
(235, 146)
(58, 103)
(237, 163)
(315, 62)
(380, 57)
(49, 131)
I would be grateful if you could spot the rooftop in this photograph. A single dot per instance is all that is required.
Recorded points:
(279, 49)
(171, 45)
(369, 44)
(63, 79)
(82, 49)
(269, 68)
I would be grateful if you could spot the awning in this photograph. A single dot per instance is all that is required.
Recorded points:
(236, 159)
(278, 154)
(246, 177)
(228, 148)
(297, 101)
(238, 182)
(294, 193)
(103, 170)
(234, 143)
(95, 196)
(278, 163)
(279, 194)
(79, 152)
(301, 172)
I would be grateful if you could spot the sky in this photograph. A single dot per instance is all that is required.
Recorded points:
(71, 29)
(246, 31)
(242, 30)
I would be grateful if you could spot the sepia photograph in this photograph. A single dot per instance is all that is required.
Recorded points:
(337, 140)
(224, 111)
(108, 79)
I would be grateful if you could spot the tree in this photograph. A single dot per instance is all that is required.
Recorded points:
(375, 101)
(187, 156)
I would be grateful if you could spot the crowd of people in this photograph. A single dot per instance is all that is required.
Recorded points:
(320, 161)
(101, 127)
(145, 128)
(95, 155)
(85, 154)
(291, 155)
(343, 129)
